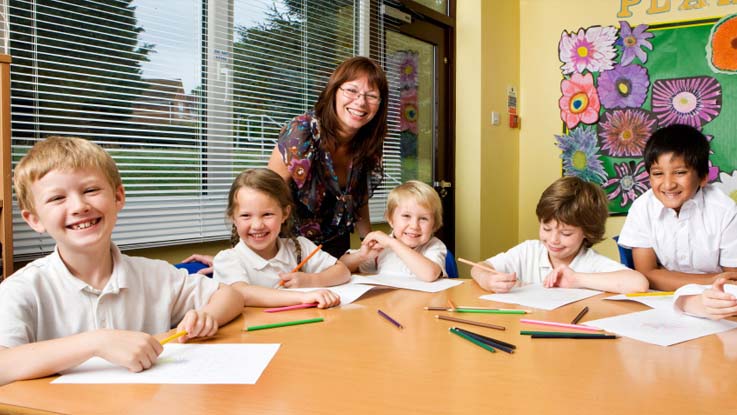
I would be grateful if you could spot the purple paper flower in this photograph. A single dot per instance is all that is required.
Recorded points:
(623, 86)
(693, 101)
(633, 41)
(408, 70)
(631, 181)
(591, 49)
(580, 156)
(624, 132)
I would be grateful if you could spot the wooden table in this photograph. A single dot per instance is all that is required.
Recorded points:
(357, 363)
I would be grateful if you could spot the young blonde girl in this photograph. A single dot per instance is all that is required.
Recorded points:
(263, 255)
(414, 212)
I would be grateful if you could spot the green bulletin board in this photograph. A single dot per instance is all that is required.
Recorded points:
(620, 84)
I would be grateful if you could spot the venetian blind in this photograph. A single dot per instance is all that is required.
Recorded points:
(183, 94)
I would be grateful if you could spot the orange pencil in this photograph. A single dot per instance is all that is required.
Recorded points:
(474, 264)
(304, 261)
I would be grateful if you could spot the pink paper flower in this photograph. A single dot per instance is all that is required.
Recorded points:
(580, 102)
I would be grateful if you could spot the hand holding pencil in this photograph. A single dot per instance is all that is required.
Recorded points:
(296, 279)
(490, 279)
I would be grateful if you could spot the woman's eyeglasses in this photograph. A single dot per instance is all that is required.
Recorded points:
(352, 93)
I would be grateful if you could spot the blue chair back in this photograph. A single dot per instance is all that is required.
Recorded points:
(625, 254)
(451, 268)
(192, 267)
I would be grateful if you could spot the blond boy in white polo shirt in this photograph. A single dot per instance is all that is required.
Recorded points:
(86, 298)
(415, 213)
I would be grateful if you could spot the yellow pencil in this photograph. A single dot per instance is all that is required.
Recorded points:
(173, 336)
(304, 261)
(650, 294)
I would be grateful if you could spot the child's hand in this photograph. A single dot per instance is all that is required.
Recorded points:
(296, 279)
(197, 323)
(370, 249)
(133, 350)
(717, 303)
(377, 239)
(205, 259)
(323, 298)
(561, 276)
(499, 282)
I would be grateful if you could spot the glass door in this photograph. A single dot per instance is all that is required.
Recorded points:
(416, 62)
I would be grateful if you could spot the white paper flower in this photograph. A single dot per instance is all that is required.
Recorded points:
(728, 184)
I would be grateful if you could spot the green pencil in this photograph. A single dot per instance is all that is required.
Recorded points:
(483, 311)
(283, 324)
(558, 333)
(472, 340)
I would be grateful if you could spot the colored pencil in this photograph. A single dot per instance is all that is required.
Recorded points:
(472, 340)
(471, 322)
(389, 319)
(489, 311)
(545, 333)
(468, 307)
(650, 294)
(572, 336)
(554, 324)
(580, 315)
(474, 264)
(451, 305)
(304, 261)
(284, 324)
(290, 307)
(173, 336)
(437, 308)
(497, 344)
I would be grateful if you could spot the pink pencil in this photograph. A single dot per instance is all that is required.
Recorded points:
(290, 307)
(554, 324)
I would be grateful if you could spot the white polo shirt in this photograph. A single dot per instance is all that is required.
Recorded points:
(531, 263)
(701, 239)
(697, 289)
(44, 301)
(240, 263)
(389, 262)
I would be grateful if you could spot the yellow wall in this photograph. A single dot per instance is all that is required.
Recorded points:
(487, 62)
(500, 172)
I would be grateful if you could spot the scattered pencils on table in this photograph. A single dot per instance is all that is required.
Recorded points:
(496, 344)
(556, 324)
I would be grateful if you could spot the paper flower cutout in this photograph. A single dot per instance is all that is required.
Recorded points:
(721, 50)
(591, 49)
(633, 41)
(579, 154)
(580, 102)
(623, 86)
(693, 101)
(728, 184)
(624, 133)
(631, 181)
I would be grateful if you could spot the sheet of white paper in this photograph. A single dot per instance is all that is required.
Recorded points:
(184, 364)
(663, 327)
(537, 296)
(408, 283)
(348, 292)
(659, 301)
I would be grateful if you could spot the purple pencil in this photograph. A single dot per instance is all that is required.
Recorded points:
(391, 320)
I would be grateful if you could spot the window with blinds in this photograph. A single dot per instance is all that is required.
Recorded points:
(184, 94)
